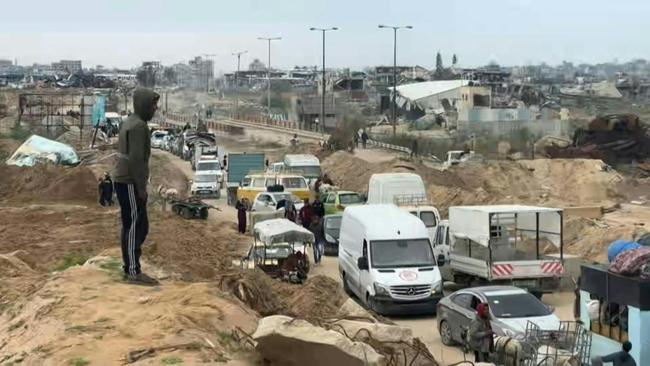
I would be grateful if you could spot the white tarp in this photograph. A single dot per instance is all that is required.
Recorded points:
(473, 222)
(429, 93)
(39, 149)
(282, 231)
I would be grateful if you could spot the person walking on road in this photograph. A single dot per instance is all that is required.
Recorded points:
(414, 148)
(106, 190)
(316, 227)
(306, 214)
(131, 176)
(241, 216)
(318, 208)
(364, 138)
(480, 334)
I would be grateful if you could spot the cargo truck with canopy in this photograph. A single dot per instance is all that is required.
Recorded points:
(507, 244)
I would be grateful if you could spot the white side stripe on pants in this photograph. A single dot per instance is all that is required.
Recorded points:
(131, 237)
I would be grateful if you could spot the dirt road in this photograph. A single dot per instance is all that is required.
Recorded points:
(425, 327)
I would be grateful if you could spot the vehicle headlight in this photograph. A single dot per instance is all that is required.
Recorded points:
(437, 288)
(329, 238)
(381, 289)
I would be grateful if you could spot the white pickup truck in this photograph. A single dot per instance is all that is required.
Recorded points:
(506, 244)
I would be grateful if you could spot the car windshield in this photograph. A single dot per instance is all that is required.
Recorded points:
(401, 253)
(333, 226)
(273, 252)
(306, 171)
(350, 199)
(294, 183)
(287, 196)
(213, 165)
(205, 178)
(428, 218)
(520, 305)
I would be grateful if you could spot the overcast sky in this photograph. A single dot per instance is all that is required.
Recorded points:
(125, 32)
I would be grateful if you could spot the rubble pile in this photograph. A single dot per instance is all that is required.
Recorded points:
(614, 139)
(283, 340)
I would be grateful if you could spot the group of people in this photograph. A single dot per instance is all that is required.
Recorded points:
(362, 136)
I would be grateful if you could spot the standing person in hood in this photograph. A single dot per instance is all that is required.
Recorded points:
(131, 176)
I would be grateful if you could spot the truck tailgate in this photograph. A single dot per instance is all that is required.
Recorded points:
(527, 269)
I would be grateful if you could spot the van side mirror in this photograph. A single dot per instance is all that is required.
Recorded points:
(441, 260)
(362, 263)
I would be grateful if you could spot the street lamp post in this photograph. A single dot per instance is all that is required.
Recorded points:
(322, 107)
(238, 54)
(394, 103)
(268, 72)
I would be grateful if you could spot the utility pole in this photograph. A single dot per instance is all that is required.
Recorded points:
(268, 73)
(322, 106)
(238, 54)
(394, 101)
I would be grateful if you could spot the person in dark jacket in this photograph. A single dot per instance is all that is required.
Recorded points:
(106, 190)
(319, 208)
(480, 334)
(290, 211)
(364, 138)
(306, 214)
(131, 177)
(316, 227)
(241, 216)
(620, 358)
(414, 148)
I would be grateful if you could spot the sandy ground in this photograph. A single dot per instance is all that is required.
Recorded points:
(426, 328)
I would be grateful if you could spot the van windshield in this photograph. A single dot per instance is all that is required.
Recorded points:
(214, 165)
(401, 253)
(306, 171)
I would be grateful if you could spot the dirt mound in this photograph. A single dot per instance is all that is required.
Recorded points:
(85, 314)
(48, 183)
(560, 182)
(197, 250)
(319, 297)
(590, 238)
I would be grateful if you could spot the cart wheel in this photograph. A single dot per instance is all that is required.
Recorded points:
(186, 213)
(204, 213)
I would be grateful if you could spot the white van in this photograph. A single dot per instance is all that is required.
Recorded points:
(303, 164)
(407, 191)
(387, 187)
(386, 259)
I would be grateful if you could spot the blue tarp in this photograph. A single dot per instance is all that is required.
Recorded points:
(619, 246)
(39, 149)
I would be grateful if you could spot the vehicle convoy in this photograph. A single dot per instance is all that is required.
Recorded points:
(280, 250)
(206, 184)
(204, 152)
(407, 191)
(268, 201)
(337, 201)
(241, 165)
(386, 260)
(511, 309)
(506, 244)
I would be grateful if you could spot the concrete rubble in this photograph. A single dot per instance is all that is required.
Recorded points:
(282, 340)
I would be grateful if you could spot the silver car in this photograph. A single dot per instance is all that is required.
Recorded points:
(510, 308)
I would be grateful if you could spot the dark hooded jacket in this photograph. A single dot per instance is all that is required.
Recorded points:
(134, 146)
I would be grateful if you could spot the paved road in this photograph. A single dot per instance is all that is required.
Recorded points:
(425, 327)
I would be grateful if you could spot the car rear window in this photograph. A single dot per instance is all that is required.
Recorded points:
(294, 183)
(350, 199)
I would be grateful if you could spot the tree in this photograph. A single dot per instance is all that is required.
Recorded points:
(439, 66)
(454, 60)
